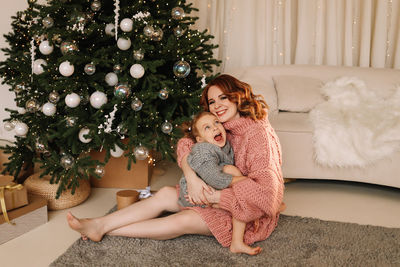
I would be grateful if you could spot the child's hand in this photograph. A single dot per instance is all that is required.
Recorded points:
(232, 170)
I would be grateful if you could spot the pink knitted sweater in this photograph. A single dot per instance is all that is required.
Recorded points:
(258, 156)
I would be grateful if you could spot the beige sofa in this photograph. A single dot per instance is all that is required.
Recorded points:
(291, 91)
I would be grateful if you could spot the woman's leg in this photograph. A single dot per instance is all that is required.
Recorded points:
(174, 225)
(165, 199)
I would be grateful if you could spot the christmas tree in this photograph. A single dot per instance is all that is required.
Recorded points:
(118, 76)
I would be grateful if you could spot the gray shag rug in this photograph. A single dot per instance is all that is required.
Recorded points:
(296, 241)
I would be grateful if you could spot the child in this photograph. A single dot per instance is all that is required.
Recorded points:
(212, 159)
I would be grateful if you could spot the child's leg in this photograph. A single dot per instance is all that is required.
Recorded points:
(237, 245)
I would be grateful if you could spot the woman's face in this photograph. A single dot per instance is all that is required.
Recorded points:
(220, 105)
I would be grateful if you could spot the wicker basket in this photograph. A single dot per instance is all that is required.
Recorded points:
(42, 187)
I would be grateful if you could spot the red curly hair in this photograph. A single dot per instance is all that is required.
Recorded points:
(241, 93)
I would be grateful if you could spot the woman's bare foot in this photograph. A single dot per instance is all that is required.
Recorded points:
(88, 228)
(240, 247)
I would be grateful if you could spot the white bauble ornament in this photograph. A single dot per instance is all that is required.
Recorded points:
(72, 100)
(116, 152)
(38, 66)
(66, 68)
(46, 48)
(21, 110)
(84, 131)
(97, 99)
(124, 43)
(111, 79)
(137, 71)
(21, 129)
(49, 109)
(110, 29)
(126, 25)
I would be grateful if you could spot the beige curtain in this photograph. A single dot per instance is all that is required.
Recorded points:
(323, 32)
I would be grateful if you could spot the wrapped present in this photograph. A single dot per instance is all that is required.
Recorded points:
(12, 195)
(24, 219)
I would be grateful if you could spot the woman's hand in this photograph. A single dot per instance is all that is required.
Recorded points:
(196, 188)
(213, 197)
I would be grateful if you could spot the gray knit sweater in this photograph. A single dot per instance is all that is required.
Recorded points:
(208, 160)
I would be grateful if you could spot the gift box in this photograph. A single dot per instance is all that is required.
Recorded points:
(12, 195)
(24, 219)
(117, 174)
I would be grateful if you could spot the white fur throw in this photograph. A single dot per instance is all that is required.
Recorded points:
(355, 126)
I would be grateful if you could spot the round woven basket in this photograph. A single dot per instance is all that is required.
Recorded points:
(42, 187)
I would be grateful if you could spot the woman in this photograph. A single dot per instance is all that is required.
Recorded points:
(257, 155)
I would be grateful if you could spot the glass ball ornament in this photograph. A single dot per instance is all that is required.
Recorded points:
(95, 6)
(98, 99)
(38, 66)
(122, 90)
(67, 162)
(8, 126)
(48, 22)
(124, 43)
(166, 127)
(110, 29)
(72, 100)
(116, 152)
(122, 129)
(138, 54)
(136, 71)
(148, 30)
(177, 13)
(99, 170)
(163, 94)
(111, 78)
(66, 68)
(157, 35)
(21, 129)
(49, 109)
(179, 31)
(57, 38)
(32, 105)
(89, 69)
(40, 146)
(54, 97)
(117, 68)
(67, 47)
(71, 121)
(126, 25)
(181, 69)
(141, 152)
(46, 48)
(82, 135)
(136, 104)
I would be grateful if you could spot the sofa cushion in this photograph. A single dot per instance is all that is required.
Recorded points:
(297, 93)
(296, 122)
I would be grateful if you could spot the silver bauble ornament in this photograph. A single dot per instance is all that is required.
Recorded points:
(163, 94)
(90, 69)
(136, 104)
(67, 162)
(178, 31)
(68, 47)
(181, 69)
(57, 39)
(8, 126)
(40, 146)
(122, 129)
(95, 6)
(138, 54)
(122, 90)
(71, 121)
(148, 30)
(141, 152)
(137, 71)
(166, 127)
(99, 170)
(18, 88)
(117, 68)
(32, 105)
(177, 13)
(48, 22)
(54, 97)
(157, 35)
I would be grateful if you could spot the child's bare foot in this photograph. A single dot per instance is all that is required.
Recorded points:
(240, 247)
(86, 227)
